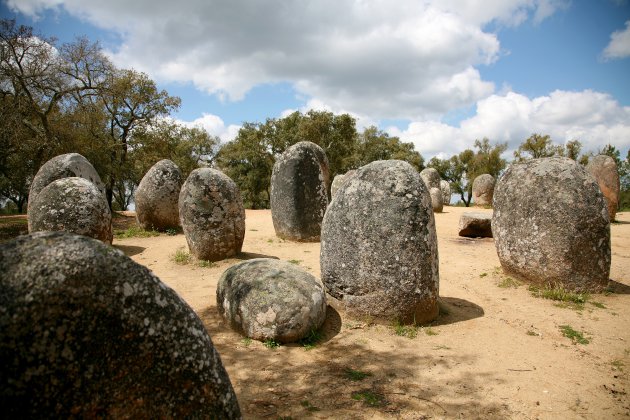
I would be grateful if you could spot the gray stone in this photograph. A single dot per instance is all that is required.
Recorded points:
(379, 254)
(271, 299)
(446, 192)
(64, 166)
(431, 178)
(483, 190)
(604, 169)
(212, 215)
(436, 200)
(339, 180)
(299, 195)
(157, 196)
(73, 205)
(86, 332)
(475, 225)
(551, 225)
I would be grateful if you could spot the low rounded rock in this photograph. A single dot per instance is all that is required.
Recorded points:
(269, 299)
(212, 215)
(71, 205)
(86, 332)
(550, 225)
(64, 166)
(157, 197)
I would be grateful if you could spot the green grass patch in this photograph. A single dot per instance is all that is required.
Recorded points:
(270, 343)
(207, 264)
(574, 335)
(181, 257)
(483, 274)
(430, 331)
(135, 232)
(310, 341)
(370, 398)
(509, 283)
(356, 375)
(569, 299)
(618, 365)
(296, 262)
(441, 347)
(247, 341)
(409, 331)
(532, 333)
(173, 231)
(597, 304)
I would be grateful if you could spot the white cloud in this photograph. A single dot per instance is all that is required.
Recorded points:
(214, 125)
(413, 60)
(594, 118)
(619, 45)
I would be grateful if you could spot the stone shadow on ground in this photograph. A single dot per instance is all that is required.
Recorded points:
(453, 310)
(348, 377)
(618, 288)
(244, 256)
(129, 250)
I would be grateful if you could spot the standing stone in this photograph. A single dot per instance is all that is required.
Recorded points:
(436, 200)
(73, 205)
(64, 166)
(431, 177)
(86, 332)
(339, 180)
(212, 215)
(269, 299)
(551, 225)
(483, 190)
(157, 197)
(379, 253)
(475, 225)
(446, 192)
(299, 196)
(604, 170)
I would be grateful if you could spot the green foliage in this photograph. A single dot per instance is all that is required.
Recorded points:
(575, 300)
(181, 257)
(135, 232)
(271, 344)
(509, 283)
(370, 398)
(207, 264)
(295, 262)
(575, 336)
(312, 338)
(356, 375)
(409, 331)
(430, 331)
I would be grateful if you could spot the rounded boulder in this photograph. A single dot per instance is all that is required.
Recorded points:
(86, 332)
(212, 215)
(483, 190)
(604, 169)
(71, 205)
(446, 192)
(64, 166)
(550, 225)
(339, 180)
(157, 196)
(379, 254)
(436, 200)
(269, 299)
(299, 194)
(431, 177)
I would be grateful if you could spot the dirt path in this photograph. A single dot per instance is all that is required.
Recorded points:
(496, 352)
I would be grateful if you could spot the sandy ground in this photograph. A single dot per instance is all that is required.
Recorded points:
(494, 352)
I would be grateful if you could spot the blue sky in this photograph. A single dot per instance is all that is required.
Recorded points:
(437, 73)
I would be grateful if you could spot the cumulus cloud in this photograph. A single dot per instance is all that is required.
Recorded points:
(415, 60)
(619, 45)
(593, 118)
(214, 125)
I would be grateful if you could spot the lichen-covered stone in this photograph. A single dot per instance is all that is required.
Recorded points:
(446, 192)
(157, 196)
(86, 332)
(475, 225)
(604, 169)
(212, 215)
(269, 299)
(339, 180)
(483, 190)
(73, 205)
(431, 178)
(551, 226)
(64, 166)
(436, 200)
(299, 196)
(379, 253)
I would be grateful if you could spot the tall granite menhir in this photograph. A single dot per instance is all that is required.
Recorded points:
(157, 196)
(299, 192)
(212, 215)
(379, 253)
(551, 225)
(85, 332)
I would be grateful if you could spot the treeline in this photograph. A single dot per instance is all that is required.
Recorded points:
(71, 98)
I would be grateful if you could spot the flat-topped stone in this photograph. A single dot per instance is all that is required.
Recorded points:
(475, 225)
